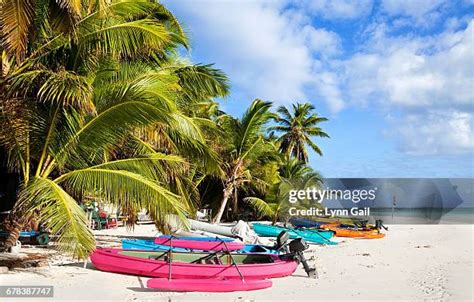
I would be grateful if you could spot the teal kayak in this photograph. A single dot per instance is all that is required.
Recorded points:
(311, 236)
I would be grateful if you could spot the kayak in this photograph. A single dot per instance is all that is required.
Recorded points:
(207, 285)
(311, 236)
(139, 244)
(192, 265)
(305, 223)
(354, 233)
(211, 244)
(201, 238)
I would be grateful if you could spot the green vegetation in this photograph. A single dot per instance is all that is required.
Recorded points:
(298, 128)
(96, 103)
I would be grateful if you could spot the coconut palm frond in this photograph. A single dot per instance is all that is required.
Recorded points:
(124, 189)
(254, 118)
(298, 127)
(262, 207)
(154, 165)
(118, 120)
(201, 82)
(61, 214)
(127, 38)
(16, 18)
(62, 88)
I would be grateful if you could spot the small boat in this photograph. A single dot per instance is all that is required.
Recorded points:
(208, 285)
(305, 223)
(139, 244)
(312, 236)
(200, 238)
(344, 231)
(210, 244)
(158, 264)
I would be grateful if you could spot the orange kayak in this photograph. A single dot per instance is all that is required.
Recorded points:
(344, 232)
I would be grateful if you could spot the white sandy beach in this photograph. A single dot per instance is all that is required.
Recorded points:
(413, 262)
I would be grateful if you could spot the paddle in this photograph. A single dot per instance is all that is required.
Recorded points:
(169, 259)
(233, 261)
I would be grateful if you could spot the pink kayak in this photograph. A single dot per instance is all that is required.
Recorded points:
(191, 265)
(204, 245)
(208, 285)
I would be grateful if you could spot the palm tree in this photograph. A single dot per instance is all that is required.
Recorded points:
(276, 205)
(298, 128)
(244, 144)
(83, 86)
(292, 168)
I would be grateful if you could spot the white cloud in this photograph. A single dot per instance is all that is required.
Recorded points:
(337, 9)
(419, 13)
(435, 71)
(411, 8)
(268, 51)
(435, 132)
(430, 79)
(272, 51)
(324, 42)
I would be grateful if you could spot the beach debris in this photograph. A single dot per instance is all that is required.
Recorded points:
(424, 246)
(366, 254)
(23, 260)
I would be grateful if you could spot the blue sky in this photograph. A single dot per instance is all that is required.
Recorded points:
(395, 77)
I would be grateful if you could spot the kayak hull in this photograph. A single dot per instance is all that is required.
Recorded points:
(207, 285)
(201, 238)
(212, 244)
(311, 236)
(135, 262)
(354, 233)
(138, 244)
(305, 223)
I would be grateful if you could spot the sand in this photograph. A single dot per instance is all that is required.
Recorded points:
(422, 262)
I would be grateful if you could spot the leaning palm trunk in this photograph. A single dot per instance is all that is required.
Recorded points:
(229, 187)
(225, 197)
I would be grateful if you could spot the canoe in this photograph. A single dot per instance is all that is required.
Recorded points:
(211, 244)
(139, 244)
(353, 232)
(311, 236)
(192, 265)
(207, 285)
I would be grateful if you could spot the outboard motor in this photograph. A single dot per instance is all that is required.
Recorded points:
(282, 241)
(379, 224)
(297, 247)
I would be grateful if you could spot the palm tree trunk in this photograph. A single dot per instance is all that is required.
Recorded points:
(235, 202)
(228, 188)
(16, 223)
(225, 197)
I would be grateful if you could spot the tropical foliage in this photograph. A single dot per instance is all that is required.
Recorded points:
(96, 103)
(93, 104)
(298, 127)
(244, 146)
(294, 175)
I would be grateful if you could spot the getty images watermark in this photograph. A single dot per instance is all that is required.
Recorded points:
(318, 195)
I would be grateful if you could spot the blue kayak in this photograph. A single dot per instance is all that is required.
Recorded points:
(305, 223)
(139, 244)
(311, 236)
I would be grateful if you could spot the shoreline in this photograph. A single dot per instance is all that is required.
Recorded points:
(413, 262)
